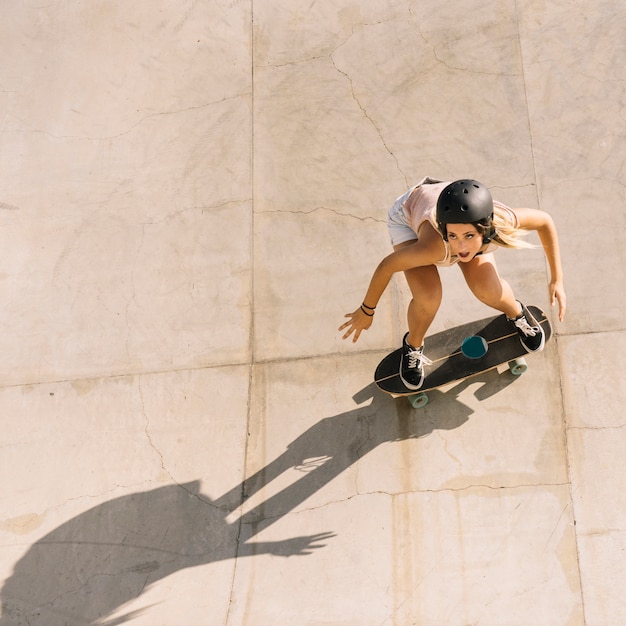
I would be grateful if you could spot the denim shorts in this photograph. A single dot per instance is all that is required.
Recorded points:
(397, 224)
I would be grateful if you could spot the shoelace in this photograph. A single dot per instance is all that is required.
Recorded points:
(525, 327)
(415, 356)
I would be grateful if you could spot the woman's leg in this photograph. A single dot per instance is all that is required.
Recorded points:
(425, 286)
(482, 278)
(481, 275)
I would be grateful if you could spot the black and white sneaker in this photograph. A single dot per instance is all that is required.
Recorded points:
(529, 330)
(412, 365)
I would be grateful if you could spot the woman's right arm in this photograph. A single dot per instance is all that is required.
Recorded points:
(427, 251)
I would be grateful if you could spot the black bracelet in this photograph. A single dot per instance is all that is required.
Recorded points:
(371, 308)
(366, 313)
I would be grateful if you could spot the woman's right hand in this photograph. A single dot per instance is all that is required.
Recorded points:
(357, 323)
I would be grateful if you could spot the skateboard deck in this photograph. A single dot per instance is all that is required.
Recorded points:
(490, 342)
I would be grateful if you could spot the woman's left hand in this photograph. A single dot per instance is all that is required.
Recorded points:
(557, 295)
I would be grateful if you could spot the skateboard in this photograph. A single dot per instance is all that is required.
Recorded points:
(461, 352)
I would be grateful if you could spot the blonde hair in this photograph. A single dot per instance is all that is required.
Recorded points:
(507, 233)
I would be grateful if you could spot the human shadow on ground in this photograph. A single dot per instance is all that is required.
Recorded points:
(87, 568)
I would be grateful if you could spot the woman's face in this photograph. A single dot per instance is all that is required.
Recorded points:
(465, 241)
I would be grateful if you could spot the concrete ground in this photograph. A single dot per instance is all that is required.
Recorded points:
(193, 194)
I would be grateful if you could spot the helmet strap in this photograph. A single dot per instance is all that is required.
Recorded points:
(443, 229)
(490, 232)
(489, 235)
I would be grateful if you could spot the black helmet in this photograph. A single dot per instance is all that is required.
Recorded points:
(464, 202)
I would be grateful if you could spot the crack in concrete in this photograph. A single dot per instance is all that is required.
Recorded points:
(369, 118)
(558, 521)
(334, 46)
(146, 429)
(347, 76)
(319, 57)
(467, 488)
(366, 218)
(603, 532)
(457, 68)
(389, 494)
(84, 496)
(72, 592)
(617, 427)
(201, 208)
(131, 299)
(29, 129)
(444, 442)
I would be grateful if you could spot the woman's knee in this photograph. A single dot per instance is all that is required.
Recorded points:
(488, 293)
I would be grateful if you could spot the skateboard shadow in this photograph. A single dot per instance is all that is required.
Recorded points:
(86, 569)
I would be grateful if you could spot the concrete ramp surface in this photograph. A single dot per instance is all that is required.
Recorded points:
(192, 195)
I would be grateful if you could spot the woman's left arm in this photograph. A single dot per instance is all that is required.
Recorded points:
(533, 219)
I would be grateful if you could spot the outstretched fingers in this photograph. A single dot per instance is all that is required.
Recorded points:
(357, 323)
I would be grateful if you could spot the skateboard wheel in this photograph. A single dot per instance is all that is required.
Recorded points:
(474, 347)
(418, 400)
(518, 366)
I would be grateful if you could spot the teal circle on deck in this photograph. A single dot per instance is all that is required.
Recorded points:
(474, 347)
